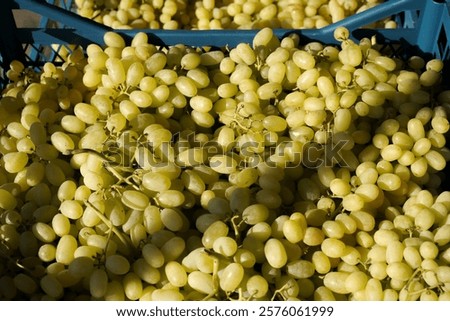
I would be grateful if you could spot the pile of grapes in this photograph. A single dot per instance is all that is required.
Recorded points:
(269, 171)
(223, 14)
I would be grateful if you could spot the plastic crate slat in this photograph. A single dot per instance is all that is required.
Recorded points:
(46, 37)
(84, 26)
(381, 11)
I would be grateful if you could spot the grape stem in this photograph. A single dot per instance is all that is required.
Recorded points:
(15, 262)
(279, 291)
(237, 234)
(114, 229)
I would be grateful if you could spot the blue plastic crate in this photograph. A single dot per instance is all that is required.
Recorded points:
(423, 29)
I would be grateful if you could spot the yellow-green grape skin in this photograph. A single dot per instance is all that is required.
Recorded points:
(98, 282)
(172, 219)
(231, 277)
(245, 258)
(153, 255)
(428, 250)
(65, 249)
(135, 200)
(336, 281)
(132, 286)
(173, 248)
(186, 86)
(146, 272)
(356, 281)
(373, 290)
(399, 271)
(275, 253)
(300, 269)
(412, 257)
(166, 295)
(201, 282)
(7, 200)
(47, 252)
(176, 274)
(255, 213)
(51, 286)
(114, 291)
(225, 245)
(293, 230)
(71, 209)
(117, 264)
(14, 162)
(333, 248)
(43, 232)
(170, 198)
(61, 224)
(257, 286)
(322, 293)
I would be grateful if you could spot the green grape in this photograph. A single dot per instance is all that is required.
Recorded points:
(14, 162)
(173, 248)
(336, 282)
(399, 271)
(47, 252)
(43, 232)
(117, 264)
(132, 286)
(244, 257)
(7, 200)
(176, 274)
(134, 74)
(412, 256)
(322, 293)
(333, 248)
(428, 250)
(71, 209)
(146, 272)
(257, 286)
(81, 267)
(275, 253)
(201, 282)
(25, 283)
(356, 281)
(61, 224)
(172, 219)
(373, 290)
(294, 230)
(114, 291)
(231, 276)
(170, 198)
(441, 236)
(141, 99)
(364, 220)
(65, 249)
(167, 295)
(32, 93)
(255, 213)
(225, 245)
(191, 157)
(300, 269)
(135, 200)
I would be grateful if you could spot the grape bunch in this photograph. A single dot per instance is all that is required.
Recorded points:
(227, 14)
(268, 171)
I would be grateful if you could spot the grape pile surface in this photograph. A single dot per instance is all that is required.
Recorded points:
(223, 14)
(268, 171)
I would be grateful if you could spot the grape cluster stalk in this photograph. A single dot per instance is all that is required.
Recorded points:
(269, 171)
(223, 14)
